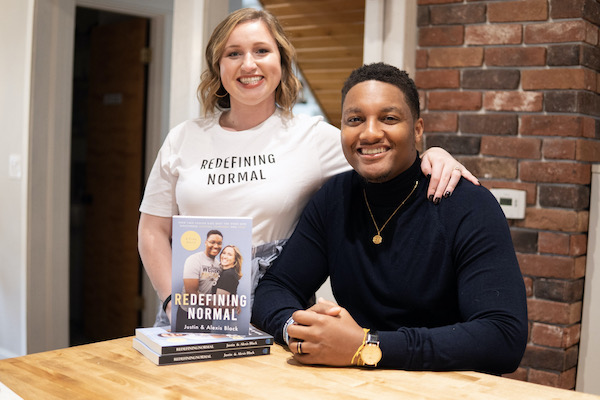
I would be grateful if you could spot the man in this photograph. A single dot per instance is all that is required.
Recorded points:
(201, 270)
(420, 286)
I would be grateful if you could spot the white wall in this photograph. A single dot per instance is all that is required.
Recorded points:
(195, 20)
(16, 26)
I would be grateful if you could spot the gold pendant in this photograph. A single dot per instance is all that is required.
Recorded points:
(377, 239)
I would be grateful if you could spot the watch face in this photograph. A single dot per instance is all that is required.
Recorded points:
(371, 354)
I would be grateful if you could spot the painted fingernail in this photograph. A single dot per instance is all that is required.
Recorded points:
(447, 194)
(430, 197)
(436, 200)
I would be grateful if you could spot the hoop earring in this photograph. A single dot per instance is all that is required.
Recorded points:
(221, 96)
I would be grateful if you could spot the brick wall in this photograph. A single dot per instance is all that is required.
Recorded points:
(512, 89)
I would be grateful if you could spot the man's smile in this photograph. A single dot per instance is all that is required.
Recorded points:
(378, 150)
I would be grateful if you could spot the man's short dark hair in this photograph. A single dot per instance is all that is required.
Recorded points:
(213, 232)
(389, 74)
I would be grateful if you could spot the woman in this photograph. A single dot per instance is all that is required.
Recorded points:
(249, 156)
(231, 271)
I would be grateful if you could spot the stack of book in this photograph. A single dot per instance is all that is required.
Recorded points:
(210, 318)
(163, 347)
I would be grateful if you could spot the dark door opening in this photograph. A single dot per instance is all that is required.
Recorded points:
(107, 168)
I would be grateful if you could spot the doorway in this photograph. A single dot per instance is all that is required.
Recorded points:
(110, 71)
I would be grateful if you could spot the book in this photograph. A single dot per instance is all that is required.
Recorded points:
(162, 340)
(178, 358)
(211, 274)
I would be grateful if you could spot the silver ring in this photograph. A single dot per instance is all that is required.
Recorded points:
(299, 347)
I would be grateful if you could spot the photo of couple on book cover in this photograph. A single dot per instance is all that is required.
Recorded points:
(211, 274)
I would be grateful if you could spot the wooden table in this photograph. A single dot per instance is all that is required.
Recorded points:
(114, 370)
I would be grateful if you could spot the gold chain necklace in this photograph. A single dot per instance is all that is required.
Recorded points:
(377, 239)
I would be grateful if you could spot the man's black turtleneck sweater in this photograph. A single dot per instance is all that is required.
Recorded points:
(444, 289)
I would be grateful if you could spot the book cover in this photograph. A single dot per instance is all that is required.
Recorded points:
(199, 356)
(211, 274)
(162, 340)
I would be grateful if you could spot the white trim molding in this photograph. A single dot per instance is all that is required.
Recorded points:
(589, 347)
(391, 33)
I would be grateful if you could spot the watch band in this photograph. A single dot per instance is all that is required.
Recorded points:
(373, 338)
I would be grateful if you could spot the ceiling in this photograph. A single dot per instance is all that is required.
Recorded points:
(328, 36)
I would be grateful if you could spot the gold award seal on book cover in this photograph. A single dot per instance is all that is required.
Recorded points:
(190, 240)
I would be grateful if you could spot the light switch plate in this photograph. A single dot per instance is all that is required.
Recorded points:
(14, 166)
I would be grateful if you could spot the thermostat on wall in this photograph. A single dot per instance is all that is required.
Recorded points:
(512, 202)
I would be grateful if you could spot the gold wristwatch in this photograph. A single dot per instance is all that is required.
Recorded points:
(370, 354)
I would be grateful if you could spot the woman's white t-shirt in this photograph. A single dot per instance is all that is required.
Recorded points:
(267, 173)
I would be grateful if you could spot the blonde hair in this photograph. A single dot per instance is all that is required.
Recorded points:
(237, 259)
(211, 92)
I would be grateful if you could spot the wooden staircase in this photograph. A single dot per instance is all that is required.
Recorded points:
(328, 36)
